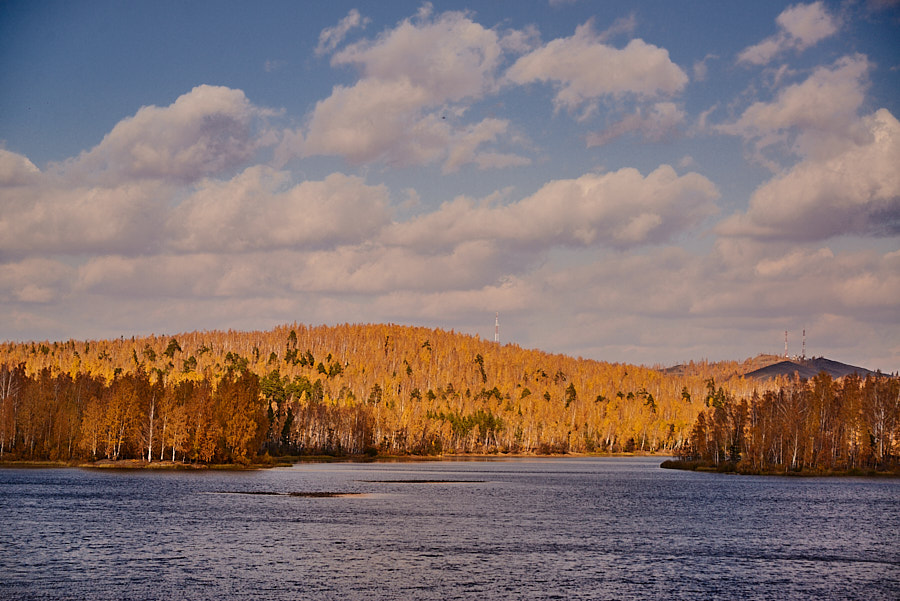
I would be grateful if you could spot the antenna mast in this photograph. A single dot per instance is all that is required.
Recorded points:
(785, 344)
(497, 328)
(803, 348)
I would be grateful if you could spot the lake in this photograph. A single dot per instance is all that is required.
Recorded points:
(585, 528)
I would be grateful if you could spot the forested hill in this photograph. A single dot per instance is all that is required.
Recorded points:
(224, 396)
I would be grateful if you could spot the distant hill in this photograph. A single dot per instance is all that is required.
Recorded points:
(808, 368)
(720, 370)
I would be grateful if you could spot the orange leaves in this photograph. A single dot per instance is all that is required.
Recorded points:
(539, 400)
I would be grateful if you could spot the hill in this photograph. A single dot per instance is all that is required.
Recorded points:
(720, 370)
(352, 388)
(214, 396)
(808, 368)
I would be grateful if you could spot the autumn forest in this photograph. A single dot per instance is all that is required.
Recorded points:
(231, 397)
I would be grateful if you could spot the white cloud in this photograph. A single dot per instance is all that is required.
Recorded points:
(207, 131)
(367, 268)
(53, 216)
(448, 58)
(33, 280)
(795, 263)
(399, 112)
(261, 209)
(331, 37)
(381, 269)
(16, 170)
(620, 209)
(750, 277)
(673, 303)
(519, 41)
(807, 24)
(509, 294)
(800, 26)
(654, 124)
(114, 198)
(701, 67)
(856, 191)
(185, 276)
(584, 70)
(465, 144)
(623, 25)
(363, 123)
(815, 115)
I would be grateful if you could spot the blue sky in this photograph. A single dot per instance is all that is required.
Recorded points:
(647, 182)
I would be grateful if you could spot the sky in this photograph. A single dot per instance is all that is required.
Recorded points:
(635, 182)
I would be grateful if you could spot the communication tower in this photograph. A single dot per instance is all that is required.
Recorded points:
(785, 344)
(497, 328)
(803, 348)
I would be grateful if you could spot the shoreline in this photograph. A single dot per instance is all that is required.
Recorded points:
(731, 469)
(288, 461)
(667, 462)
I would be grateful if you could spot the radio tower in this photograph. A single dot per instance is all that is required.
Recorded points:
(497, 328)
(803, 348)
(785, 345)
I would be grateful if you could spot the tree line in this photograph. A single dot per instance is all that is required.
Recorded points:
(133, 416)
(819, 425)
(346, 389)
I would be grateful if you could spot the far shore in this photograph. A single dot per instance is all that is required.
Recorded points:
(736, 469)
(272, 462)
(267, 462)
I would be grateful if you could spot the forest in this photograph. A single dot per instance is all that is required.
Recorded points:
(819, 425)
(354, 389)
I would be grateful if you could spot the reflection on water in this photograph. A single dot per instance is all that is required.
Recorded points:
(507, 529)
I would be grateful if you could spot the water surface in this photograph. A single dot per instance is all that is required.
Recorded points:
(589, 528)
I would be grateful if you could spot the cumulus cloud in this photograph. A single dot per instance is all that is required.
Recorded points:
(363, 123)
(520, 41)
(331, 37)
(204, 132)
(448, 58)
(116, 197)
(262, 209)
(16, 170)
(383, 121)
(799, 27)
(584, 69)
(856, 191)
(368, 268)
(754, 277)
(465, 147)
(45, 214)
(508, 294)
(175, 278)
(400, 111)
(380, 269)
(742, 293)
(619, 209)
(623, 25)
(33, 280)
(815, 115)
(747, 280)
(701, 67)
(654, 124)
